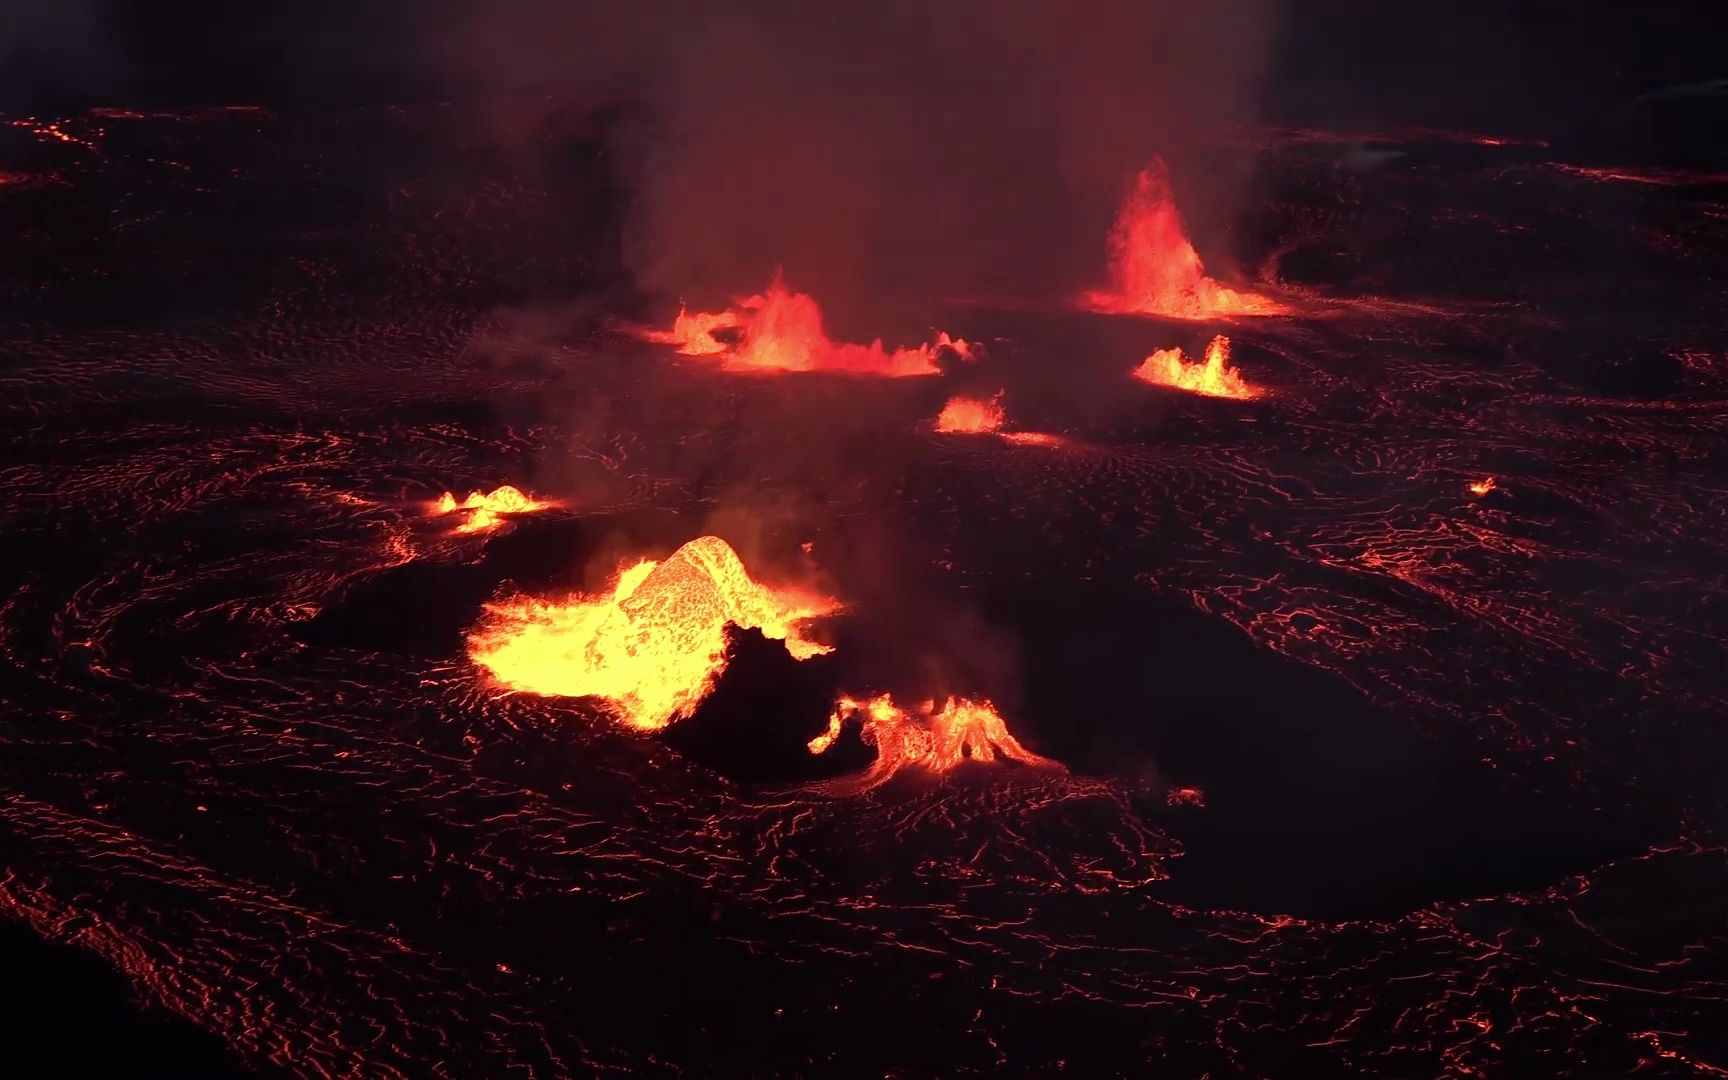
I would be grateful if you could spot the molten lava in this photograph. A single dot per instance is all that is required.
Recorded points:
(1482, 486)
(1154, 269)
(781, 330)
(1034, 438)
(484, 509)
(971, 416)
(929, 738)
(653, 645)
(1212, 376)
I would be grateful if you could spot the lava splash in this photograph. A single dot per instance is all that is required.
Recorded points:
(484, 508)
(929, 737)
(1212, 376)
(1154, 269)
(654, 645)
(971, 415)
(781, 330)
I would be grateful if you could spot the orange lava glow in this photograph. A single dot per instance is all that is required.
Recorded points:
(1154, 269)
(1034, 438)
(653, 645)
(781, 330)
(484, 509)
(931, 738)
(1482, 486)
(970, 416)
(1212, 376)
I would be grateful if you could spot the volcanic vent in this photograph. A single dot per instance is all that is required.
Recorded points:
(653, 646)
(1154, 269)
(782, 330)
(1213, 376)
(484, 511)
(932, 737)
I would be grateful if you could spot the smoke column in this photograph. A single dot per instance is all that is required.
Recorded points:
(897, 151)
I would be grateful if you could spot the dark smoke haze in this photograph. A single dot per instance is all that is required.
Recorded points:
(897, 151)
(54, 46)
(889, 157)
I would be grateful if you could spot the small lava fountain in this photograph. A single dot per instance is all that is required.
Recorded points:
(929, 737)
(484, 509)
(781, 330)
(653, 645)
(1212, 376)
(971, 415)
(1154, 269)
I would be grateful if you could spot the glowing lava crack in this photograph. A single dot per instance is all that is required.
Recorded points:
(1212, 376)
(653, 646)
(781, 330)
(934, 739)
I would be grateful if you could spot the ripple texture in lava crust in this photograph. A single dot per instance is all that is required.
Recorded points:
(1458, 743)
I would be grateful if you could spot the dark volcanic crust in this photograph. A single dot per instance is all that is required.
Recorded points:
(1458, 753)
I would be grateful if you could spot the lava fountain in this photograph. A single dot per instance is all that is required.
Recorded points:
(1154, 269)
(970, 415)
(1212, 376)
(483, 509)
(781, 330)
(929, 737)
(653, 645)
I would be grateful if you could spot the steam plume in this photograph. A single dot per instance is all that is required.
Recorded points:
(887, 151)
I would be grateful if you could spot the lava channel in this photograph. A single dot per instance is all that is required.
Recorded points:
(928, 738)
(654, 645)
(781, 330)
(485, 510)
(1212, 376)
(1154, 269)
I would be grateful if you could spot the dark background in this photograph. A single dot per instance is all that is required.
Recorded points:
(1513, 64)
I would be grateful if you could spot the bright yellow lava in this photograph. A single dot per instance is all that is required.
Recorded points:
(654, 645)
(483, 508)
